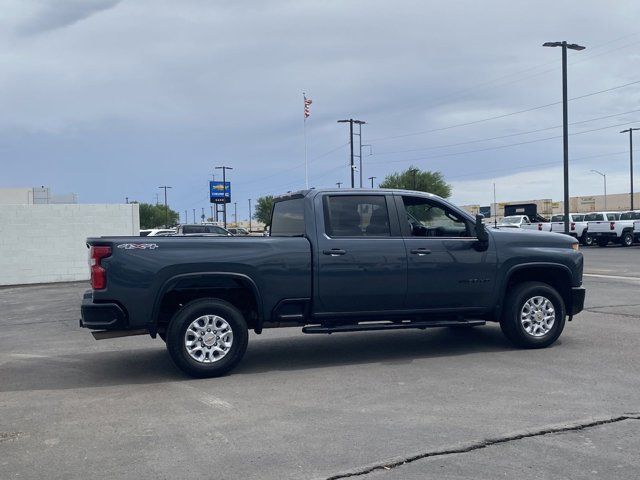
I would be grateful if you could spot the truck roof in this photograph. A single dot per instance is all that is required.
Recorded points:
(316, 191)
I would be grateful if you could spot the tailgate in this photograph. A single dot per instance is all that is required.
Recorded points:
(599, 226)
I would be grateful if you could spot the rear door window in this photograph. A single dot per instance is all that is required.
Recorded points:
(356, 216)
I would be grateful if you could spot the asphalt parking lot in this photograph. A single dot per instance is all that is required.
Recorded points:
(441, 403)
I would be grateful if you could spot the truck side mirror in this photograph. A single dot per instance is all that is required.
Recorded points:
(481, 231)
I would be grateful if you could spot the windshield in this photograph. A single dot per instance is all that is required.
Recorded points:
(512, 220)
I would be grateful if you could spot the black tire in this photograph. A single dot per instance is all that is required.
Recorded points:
(178, 329)
(588, 240)
(515, 300)
(603, 242)
(627, 239)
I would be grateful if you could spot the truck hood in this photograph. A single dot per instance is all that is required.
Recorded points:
(531, 237)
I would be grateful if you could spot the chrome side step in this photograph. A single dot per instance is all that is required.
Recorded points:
(106, 334)
(359, 327)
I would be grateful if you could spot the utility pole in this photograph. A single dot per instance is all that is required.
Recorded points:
(194, 215)
(186, 217)
(235, 213)
(157, 201)
(224, 169)
(630, 131)
(211, 212)
(495, 207)
(202, 216)
(351, 121)
(166, 208)
(249, 215)
(565, 122)
(126, 199)
(339, 184)
(372, 179)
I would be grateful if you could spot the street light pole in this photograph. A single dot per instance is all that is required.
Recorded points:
(249, 215)
(339, 184)
(224, 169)
(235, 213)
(372, 178)
(565, 122)
(630, 131)
(352, 165)
(166, 209)
(604, 176)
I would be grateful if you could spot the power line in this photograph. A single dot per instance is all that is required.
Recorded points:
(502, 146)
(504, 115)
(504, 136)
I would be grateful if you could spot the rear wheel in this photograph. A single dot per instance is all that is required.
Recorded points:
(588, 240)
(207, 338)
(603, 242)
(533, 315)
(627, 239)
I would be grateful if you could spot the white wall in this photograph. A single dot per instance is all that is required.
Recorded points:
(46, 243)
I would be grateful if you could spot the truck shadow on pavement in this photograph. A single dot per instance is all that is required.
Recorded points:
(293, 352)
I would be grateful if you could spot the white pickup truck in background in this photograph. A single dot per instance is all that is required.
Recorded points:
(577, 227)
(613, 227)
(636, 231)
(523, 221)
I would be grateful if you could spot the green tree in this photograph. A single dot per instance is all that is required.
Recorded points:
(264, 205)
(153, 216)
(421, 180)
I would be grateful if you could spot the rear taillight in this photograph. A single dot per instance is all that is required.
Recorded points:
(98, 273)
(573, 226)
(540, 226)
(612, 225)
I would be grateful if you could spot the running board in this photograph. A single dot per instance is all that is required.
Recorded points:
(359, 327)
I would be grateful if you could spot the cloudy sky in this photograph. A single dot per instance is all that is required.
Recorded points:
(112, 98)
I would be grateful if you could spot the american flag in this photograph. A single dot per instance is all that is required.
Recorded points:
(307, 107)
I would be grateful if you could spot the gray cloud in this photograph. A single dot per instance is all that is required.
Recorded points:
(158, 92)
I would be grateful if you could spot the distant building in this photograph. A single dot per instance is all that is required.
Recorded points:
(34, 196)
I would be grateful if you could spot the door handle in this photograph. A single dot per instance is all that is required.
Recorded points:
(334, 252)
(421, 251)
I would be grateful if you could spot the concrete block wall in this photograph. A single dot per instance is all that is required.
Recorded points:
(46, 243)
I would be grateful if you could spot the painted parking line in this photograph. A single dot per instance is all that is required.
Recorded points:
(613, 277)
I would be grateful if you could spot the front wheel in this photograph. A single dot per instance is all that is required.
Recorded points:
(586, 240)
(207, 338)
(626, 240)
(533, 315)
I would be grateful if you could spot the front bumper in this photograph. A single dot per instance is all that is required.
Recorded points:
(577, 301)
(101, 316)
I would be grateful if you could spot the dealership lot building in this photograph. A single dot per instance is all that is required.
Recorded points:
(42, 237)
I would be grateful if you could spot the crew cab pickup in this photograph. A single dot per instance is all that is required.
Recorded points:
(616, 228)
(578, 227)
(636, 231)
(538, 226)
(335, 261)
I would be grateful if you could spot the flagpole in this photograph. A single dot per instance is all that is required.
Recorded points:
(304, 129)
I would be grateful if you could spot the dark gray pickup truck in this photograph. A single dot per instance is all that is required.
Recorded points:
(336, 261)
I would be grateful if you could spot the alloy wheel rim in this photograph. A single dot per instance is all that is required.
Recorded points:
(537, 316)
(208, 339)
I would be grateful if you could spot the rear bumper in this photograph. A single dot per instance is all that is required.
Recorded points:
(609, 235)
(577, 301)
(101, 316)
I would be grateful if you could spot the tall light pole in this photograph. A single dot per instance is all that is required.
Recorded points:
(604, 176)
(249, 215)
(565, 122)
(166, 209)
(372, 179)
(224, 184)
(630, 132)
(339, 184)
(351, 121)
(235, 213)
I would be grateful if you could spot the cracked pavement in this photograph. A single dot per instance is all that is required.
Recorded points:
(322, 406)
